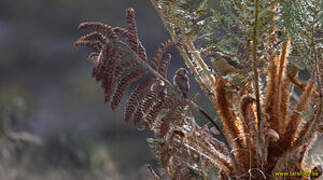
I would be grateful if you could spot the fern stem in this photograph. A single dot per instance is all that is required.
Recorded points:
(259, 138)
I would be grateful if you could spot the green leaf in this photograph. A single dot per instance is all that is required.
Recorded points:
(304, 113)
(206, 72)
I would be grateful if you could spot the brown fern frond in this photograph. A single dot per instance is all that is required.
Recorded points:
(132, 36)
(163, 127)
(198, 139)
(105, 63)
(106, 68)
(163, 65)
(158, 54)
(283, 60)
(225, 110)
(248, 115)
(124, 67)
(104, 29)
(283, 94)
(115, 74)
(295, 117)
(95, 45)
(172, 115)
(272, 94)
(135, 98)
(93, 36)
(93, 40)
(284, 103)
(94, 58)
(245, 108)
(124, 83)
(156, 92)
(154, 111)
(121, 32)
(138, 116)
(189, 148)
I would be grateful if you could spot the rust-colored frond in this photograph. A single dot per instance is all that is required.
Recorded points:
(248, 115)
(124, 84)
(283, 89)
(245, 107)
(272, 94)
(132, 36)
(135, 98)
(284, 103)
(283, 60)
(224, 107)
(295, 118)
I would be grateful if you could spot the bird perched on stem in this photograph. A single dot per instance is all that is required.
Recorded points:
(233, 71)
(182, 81)
(224, 64)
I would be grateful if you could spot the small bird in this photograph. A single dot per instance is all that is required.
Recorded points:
(182, 81)
(224, 64)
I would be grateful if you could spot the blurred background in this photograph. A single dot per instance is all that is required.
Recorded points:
(53, 112)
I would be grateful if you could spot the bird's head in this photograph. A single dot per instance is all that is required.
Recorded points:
(181, 71)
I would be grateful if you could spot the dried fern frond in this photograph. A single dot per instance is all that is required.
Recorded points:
(111, 62)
